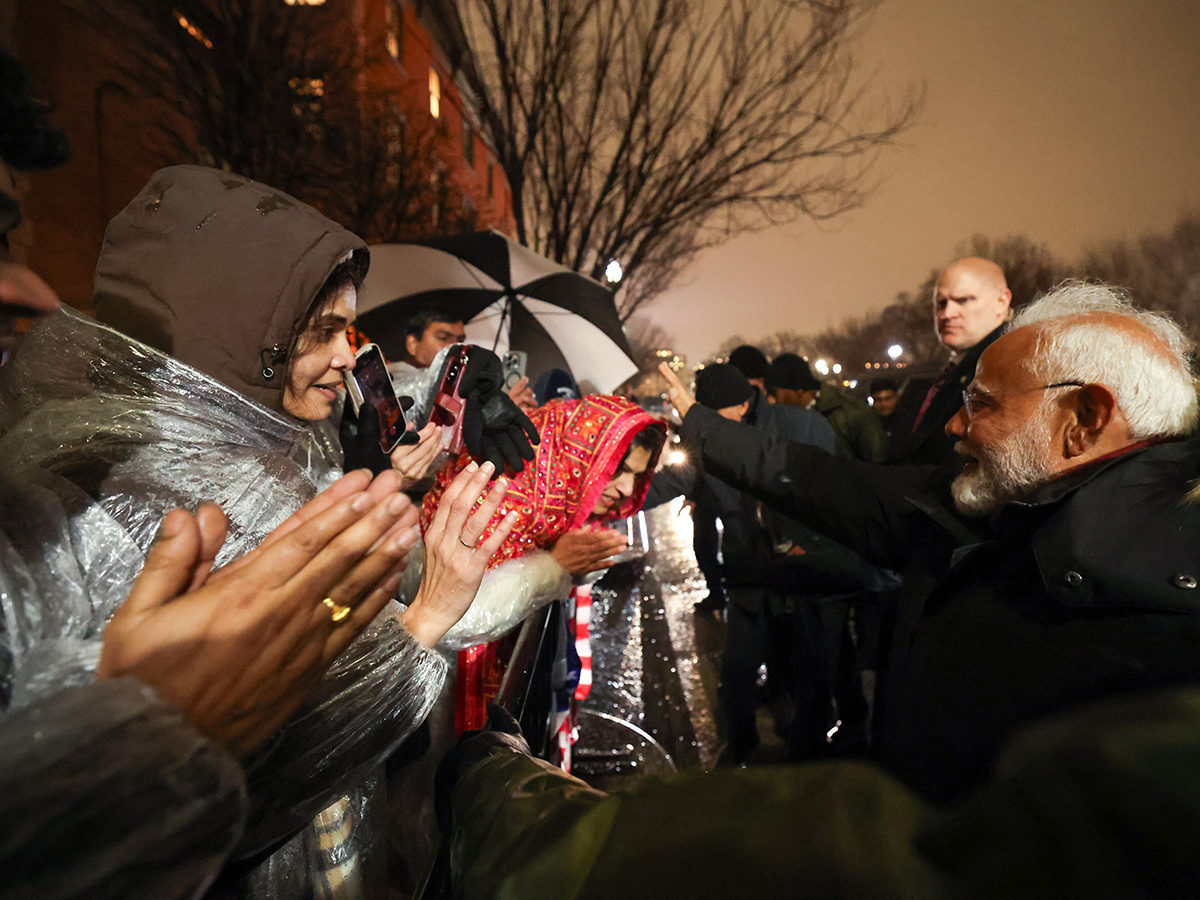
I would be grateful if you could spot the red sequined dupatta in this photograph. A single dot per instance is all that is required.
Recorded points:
(583, 442)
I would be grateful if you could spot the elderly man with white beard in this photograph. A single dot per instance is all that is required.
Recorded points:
(1062, 564)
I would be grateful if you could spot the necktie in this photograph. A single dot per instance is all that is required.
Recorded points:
(933, 389)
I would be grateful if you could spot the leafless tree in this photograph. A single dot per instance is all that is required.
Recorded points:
(647, 130)
(1161, 271)
(648, 341)
(268, 90)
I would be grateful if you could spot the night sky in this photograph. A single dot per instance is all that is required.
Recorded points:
(1070, 122)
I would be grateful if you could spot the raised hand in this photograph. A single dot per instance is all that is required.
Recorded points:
(585, 550)
(455, 558)
(412, 461)
(238, 649)
(522, 395)
(681, 398)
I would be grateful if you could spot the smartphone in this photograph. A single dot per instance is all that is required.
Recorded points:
(514, 363)
(448, 402)
(370, 383)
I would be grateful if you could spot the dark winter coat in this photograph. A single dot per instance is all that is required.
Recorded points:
(929, 445)
(858, 428)
(746, 545)
(1087, 590)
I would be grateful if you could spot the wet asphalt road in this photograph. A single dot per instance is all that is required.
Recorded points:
(654, 660)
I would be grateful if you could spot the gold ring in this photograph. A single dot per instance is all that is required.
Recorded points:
(465, 544)
(339, 612)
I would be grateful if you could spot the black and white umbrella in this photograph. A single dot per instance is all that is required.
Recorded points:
(510, 299)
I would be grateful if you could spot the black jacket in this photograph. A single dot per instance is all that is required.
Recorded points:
(1088, 590)
(929, 445)
(746, 545)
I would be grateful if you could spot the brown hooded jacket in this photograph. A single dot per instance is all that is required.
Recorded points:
(217, 270)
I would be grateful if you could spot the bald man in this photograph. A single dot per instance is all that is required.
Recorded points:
(970, 304)
(1062, 564)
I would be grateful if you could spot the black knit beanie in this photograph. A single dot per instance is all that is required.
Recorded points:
(791, 372)
(750, 361)
(721, 385)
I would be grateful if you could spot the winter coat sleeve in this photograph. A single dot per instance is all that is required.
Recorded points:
(878, 511)
(525, 829)
(670, 482)
(106, 791)
(1100, 803)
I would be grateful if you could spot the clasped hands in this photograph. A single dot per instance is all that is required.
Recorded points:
(239, 648)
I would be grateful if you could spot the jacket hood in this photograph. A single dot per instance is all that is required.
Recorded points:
(216, 270)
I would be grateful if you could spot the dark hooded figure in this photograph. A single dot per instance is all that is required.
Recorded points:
(228, 303)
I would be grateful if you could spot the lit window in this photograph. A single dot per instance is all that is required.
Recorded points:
(393, 28)
(435, 94)
(191, 28)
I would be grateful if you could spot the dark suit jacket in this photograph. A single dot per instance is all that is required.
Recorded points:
(929, 445)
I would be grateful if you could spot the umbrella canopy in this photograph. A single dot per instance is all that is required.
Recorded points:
(510, 299)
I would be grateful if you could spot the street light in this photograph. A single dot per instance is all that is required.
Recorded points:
(894, 351)
(837, 368)
(613, 273)
(821, 366)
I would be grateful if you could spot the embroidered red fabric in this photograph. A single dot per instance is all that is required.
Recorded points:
(583, 442)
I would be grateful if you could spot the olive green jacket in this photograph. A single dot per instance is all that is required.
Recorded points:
(857, 427)
(1101, 803)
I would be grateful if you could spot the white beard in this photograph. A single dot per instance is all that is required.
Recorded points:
(1007, 471)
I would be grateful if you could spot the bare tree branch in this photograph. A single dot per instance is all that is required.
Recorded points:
(274, 92)
(647, 130)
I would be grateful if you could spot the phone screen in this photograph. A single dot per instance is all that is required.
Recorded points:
(374, 388)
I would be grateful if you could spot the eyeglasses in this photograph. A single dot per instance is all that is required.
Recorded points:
(975, 400)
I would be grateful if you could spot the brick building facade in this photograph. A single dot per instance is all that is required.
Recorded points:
(397, 74)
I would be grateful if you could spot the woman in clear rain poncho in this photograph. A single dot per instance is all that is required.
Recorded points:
(231, 301)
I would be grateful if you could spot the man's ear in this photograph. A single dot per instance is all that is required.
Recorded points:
(410, 344)
(1093, 407)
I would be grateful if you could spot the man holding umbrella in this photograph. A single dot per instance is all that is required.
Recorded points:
(427, 333)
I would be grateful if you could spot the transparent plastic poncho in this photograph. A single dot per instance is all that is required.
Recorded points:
(99, 437)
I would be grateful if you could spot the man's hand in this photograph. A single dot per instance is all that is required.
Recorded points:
(522, 395)
(239, 649)
(680, 398)
(412, 461)
(455, 559)
(582, 551)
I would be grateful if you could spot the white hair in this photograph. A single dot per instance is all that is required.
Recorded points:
(1146, 368)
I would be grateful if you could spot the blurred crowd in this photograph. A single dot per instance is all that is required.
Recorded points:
(250, 648)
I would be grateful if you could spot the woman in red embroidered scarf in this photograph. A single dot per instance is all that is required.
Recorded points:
(593, 465)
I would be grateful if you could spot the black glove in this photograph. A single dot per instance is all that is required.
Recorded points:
(359, 436)
(502, 732)
(493, 427)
